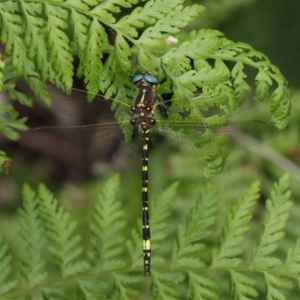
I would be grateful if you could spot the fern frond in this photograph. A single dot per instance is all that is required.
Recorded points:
(60, 230)
(92, 289)
(9, 125)
(165, 285)
(162, 206)
(159, 226)
(33, 234)
(153, 37)
(243, 286)
(230, 242)
(58, 43)
(37, 50)
(277, 206)
(11, 32)
(134, 247)
(145, 15)
(196, 229)
(107, 223)
(6, 268)
(188, 277)
(292, 263)
(54, 293)
(123, 287)
(274, 284)
(201, 287)
(91, 61)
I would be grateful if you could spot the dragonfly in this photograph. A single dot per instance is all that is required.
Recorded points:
(146, 120)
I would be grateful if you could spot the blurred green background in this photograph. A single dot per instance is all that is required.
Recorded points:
(272, 27)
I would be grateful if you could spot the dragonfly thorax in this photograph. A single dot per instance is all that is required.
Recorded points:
(143, 117)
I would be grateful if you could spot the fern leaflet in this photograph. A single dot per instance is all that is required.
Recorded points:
(33, 233)
(106, 225)
(234, 231)
(6, 268)
(60, 230)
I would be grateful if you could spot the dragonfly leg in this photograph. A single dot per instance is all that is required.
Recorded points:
(164, 109)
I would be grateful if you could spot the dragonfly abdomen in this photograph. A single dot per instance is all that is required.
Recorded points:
(145, 213)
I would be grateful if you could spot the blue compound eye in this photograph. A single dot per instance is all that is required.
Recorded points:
(137, 78)
(150, 78)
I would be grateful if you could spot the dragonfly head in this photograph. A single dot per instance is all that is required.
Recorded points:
(144, 79)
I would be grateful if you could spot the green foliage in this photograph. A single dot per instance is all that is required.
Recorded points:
(1, 73)
(6, 268)
(54, 257)
(8, 126)
(43, 38)
(106, 228)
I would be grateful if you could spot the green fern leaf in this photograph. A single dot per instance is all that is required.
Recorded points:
(123, 286)
(133, 246)
(92, 289)
(200, 287)
(242, 286)
(277, 206)
(104, 9)
(292, 263)
(91, 61)
(22, 98)
(196, 229)
(122, 54)
(105, 228)
(176, 19)
(148, 14)
(159, 226)
(34, 42)
(41, 214)
(6, 268)
(230, 242)
(9, 126)
(80, 29)
(162, 206)
(58, 44)
(165, 285)
(11, 31)
(274, 283)
(33, 233)
(217, 161)
(60, 230)
(54, 293)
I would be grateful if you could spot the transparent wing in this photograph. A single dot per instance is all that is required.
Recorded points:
(76, 104)
(192, 139)
(81, 144)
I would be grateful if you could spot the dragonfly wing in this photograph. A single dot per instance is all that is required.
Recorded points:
(183, 141)
(244, 134)
(76, 104)
(80, 145)
(192, 139)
